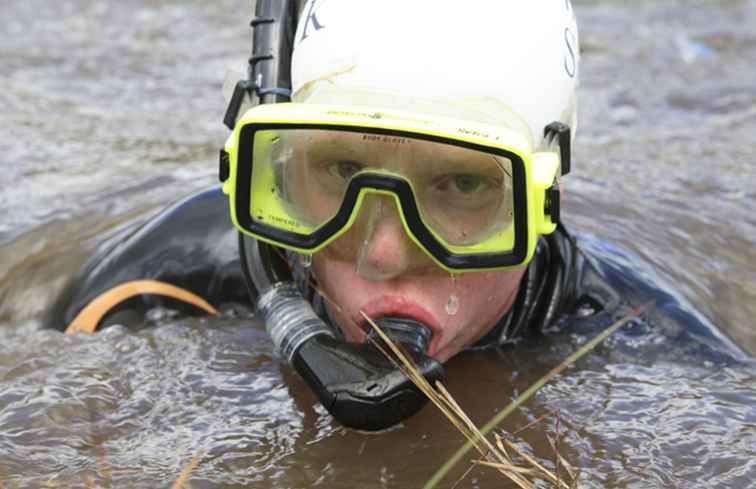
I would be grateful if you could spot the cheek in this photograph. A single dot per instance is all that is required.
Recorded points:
(481, 299)
(466, 307)
(486, 290)
(333, 278)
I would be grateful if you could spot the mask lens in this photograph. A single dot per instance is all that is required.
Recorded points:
(463, 195)
(299, 178)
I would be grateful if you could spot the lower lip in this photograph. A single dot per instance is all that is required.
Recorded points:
(400, 307)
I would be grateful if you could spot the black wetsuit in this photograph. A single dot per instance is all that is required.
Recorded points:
(193, 245)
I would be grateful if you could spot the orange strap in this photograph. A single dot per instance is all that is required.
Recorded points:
(89, 317)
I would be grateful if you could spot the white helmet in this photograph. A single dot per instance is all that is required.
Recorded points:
(481, 59)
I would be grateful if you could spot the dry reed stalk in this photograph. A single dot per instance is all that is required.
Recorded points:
(440, 396)
(187, 472)
(504, 462)
(575, 480)
(312, 283)
(512, 468)
(323, 294)
(533, 423)
(588, 346)
(569, 468)
(497, 455)
(408, 368)
(464, 476)
(542, 470)
(500, 445)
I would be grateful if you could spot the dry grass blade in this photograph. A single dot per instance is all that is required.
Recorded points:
(590, 345)
(543, 470)
(439, 396)
(468, 422)
(507, 467)
(495, 455)
(575, 479)
(325, 296)
(500, 446)
(410, 370)
(449, 407)
(462, 477)
(187, 472)
(311, 282)
(569, 468)
(533, 423)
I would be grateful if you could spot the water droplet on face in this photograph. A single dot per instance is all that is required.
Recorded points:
(454, 279)
(452, 305)
(305, 260)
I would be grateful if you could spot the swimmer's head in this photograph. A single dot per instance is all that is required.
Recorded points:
(404, 216)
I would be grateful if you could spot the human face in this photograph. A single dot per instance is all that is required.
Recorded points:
(376, 269)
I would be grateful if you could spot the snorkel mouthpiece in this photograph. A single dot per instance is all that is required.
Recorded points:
(359, 386)
(415, 337)
(356, 383)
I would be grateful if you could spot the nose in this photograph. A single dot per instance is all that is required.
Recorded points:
(386, 251)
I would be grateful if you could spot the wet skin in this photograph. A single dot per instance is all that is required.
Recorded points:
(395, 278)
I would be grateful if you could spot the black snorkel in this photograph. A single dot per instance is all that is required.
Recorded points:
(356, 383)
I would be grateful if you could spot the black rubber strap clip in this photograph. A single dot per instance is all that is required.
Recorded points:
(553, 203)
(561, 132)
(224, 170)
(243, 88)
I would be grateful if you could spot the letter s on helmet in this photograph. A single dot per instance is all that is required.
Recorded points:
(484, 59)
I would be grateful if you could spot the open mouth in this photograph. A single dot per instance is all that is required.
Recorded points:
(397, 307)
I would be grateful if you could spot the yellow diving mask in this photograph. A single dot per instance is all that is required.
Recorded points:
(473, 197)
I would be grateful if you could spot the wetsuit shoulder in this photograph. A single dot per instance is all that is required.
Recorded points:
(583, 285)
(611, 282)
(191, 245)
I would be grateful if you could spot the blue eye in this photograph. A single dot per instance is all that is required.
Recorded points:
(466, 184)
(463, 184)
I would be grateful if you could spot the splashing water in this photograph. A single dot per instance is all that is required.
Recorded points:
(129, 409)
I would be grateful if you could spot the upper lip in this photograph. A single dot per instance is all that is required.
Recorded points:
(401, 307)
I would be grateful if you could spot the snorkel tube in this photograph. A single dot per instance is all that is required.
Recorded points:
(356, 383)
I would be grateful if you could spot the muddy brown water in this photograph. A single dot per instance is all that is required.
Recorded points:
(111, 110)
